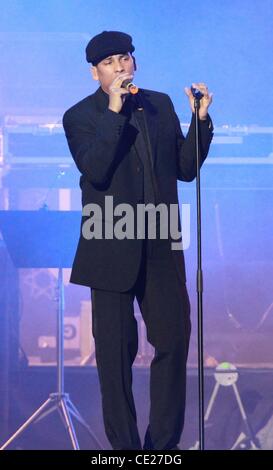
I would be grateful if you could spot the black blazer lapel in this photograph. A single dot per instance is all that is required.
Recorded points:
(101, 100)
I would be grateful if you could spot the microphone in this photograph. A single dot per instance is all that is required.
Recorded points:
(196, 93)
(130, 86)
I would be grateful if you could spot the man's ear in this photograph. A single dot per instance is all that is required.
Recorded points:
(134, 60)
(94, 72)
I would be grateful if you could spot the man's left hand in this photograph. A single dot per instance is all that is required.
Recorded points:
(204, 102)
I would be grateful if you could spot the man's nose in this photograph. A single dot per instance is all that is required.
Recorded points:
(119, 68)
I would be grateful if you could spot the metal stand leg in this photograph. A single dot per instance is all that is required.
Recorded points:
(227, 375)
(32, 418)
(59, 401)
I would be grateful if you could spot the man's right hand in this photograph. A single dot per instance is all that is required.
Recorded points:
(116, 93)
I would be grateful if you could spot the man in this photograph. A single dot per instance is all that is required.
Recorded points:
(131, 149)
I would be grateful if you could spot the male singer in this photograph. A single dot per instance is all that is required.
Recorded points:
(130, 150)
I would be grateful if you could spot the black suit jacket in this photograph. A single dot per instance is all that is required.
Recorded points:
(105, 148)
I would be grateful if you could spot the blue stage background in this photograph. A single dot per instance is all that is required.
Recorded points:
(227, 44)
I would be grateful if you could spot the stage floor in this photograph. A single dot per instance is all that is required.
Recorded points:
(30, 387)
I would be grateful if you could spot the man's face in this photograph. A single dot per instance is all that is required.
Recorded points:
(110, 67)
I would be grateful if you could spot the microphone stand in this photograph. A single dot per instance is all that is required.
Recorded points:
(199, 280)
(197, 96)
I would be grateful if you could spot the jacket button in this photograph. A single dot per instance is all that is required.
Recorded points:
(138, 169)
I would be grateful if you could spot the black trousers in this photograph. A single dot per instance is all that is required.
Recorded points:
(164, 305)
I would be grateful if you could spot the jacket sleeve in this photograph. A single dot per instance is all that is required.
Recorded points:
(94, 145)
(186, 154)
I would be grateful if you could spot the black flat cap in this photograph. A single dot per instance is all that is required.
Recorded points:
(108, 43)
